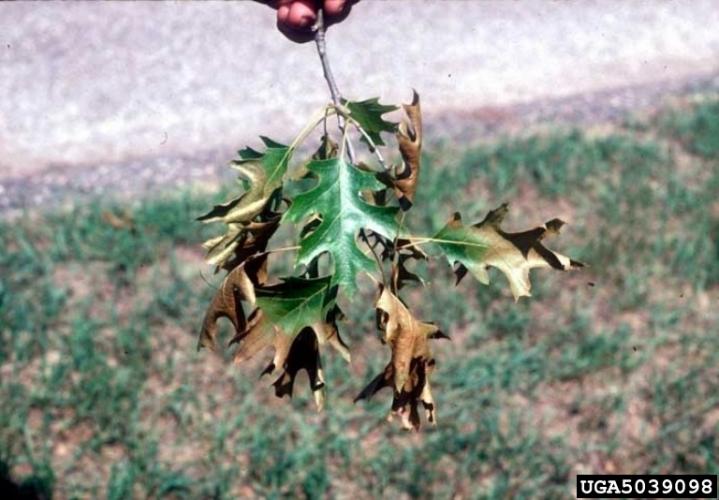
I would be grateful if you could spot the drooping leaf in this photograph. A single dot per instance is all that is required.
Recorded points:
(238, 286)
(484, 244)
(295, 317)
(336, 199)
(411, 364)
(240, 242)
(296, 303)
(264, 172)
(405, 251)
(249, 218)
(406, 401)
(409, 138)
(407, 336)
(368, 114)
(304, 355)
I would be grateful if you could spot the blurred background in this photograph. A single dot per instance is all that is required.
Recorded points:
(116, 125)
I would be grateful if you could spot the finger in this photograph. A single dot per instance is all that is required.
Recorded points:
(335, 7)
(337, 10)
(295, 19)
(302, 14)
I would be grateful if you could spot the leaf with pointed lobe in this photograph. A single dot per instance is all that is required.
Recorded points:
(484, 244)
(238, 286)
(337, 201)
(411, 364)
(368, 114)
(264, 172)
(295, 317)
(409, 138)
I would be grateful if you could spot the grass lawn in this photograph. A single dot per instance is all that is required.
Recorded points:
(614, 369)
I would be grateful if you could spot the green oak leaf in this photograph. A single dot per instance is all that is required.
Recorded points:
(295, 317)
(264, 172)
(283, 311)
(336, 199)
(296, 303)
(368, 114)
(485, 244)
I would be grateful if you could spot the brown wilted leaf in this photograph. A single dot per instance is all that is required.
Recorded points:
(293, 351)
(409, 138)
(401, 276)
(254, 241)
(411, 364)
(304, 355)
(238, 285)
(406, 401)
(240, 242)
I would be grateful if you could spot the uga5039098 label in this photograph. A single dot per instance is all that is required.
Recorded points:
(647, 486)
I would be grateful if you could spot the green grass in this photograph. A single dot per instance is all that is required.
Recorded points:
(103, 394)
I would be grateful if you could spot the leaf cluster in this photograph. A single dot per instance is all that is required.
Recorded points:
(351, 220)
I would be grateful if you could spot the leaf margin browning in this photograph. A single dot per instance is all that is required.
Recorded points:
(474, 248)
(409, 140)
(265, 172)
(411, 361)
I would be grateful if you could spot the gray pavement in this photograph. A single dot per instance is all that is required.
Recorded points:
(124, 90)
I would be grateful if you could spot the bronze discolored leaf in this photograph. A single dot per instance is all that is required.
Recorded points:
(296, 318)
(411, 364)
(238, 286)
(484, 244)
(409, 138)
(304, 354)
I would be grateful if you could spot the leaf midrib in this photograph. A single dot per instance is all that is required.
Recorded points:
(285, 158)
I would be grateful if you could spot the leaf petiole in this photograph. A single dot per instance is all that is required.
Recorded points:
(318, 117)
(361, 130)
(421, 240)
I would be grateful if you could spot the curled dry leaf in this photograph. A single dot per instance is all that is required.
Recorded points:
(251, 240)
(238, 286)
(484, 244)
(411, 364)
(405, 252)
(304, 355)
(409, 138)
(250, 215)
(264, 172)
